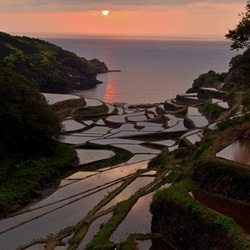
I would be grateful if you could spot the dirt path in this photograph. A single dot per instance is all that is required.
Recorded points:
(238, 101)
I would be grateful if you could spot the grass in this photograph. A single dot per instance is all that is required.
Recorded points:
(192, 225)
(121, 155)
(212, 110)
(80, 229)
(198, 222)
(24, 182)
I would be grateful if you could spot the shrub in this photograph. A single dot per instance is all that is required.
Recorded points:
(212, 110)
(160, 161)
(188, 225)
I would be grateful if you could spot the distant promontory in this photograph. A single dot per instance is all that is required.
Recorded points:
(49, 67)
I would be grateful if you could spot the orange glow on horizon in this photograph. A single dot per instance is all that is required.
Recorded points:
(176, 21)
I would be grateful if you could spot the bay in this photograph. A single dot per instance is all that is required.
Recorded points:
(152, 70)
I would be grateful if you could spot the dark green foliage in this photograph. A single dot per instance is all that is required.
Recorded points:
(28, 124)
(241, 34)
(100, 67)
(246, 101)
(160, 161)
(231, 93)
(209, 79)
(189, 225)
(25, 181)
(28, 135)
(129, 243)
(50, 68)
(239, 70)
(246, 106)
(212, 109)
(227, 178)
(226, 123)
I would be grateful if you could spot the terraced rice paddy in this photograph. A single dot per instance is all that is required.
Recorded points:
(238, 151)
(94, 194)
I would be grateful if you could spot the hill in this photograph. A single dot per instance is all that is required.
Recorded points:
(49, 67)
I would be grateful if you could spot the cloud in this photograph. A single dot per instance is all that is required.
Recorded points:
(17, 6)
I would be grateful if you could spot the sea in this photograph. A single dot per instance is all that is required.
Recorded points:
(152, 70)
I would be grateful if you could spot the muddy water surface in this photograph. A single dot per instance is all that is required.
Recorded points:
(52, 222)
(129, 190)
(138, 221)
(155, 244)
(238, 151)
(240, 213)
(93, 229)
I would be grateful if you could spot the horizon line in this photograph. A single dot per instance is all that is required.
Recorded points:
(198, 37)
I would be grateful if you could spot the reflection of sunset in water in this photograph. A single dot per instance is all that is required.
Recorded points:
(109, 95)
(237, 151)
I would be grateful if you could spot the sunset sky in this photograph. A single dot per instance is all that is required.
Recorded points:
(130, 17)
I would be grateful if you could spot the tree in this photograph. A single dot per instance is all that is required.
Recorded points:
(241, 34)
(210, 79)
(29, 127)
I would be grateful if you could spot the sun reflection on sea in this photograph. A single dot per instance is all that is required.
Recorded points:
(111, 90)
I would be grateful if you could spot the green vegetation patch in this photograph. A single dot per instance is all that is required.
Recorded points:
(23, 182)
(178, 218)
(212, 109)
(68, 105)
(228, 178)
(91, 112)
(210, 79)
(121, 155)
(160, 161)
(49, 67)
(28, 124)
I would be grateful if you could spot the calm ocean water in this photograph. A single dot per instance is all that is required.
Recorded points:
(151, 70)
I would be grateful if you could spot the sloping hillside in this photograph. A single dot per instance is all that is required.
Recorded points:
(49, 67)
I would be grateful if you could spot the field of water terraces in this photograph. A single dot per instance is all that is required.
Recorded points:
(90, 202)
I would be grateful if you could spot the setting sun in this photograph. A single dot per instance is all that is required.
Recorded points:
(105, 12)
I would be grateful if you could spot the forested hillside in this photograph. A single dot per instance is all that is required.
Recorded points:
(49, 67)
(31, 156)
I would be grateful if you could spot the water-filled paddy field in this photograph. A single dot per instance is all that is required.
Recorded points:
(141, 131)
